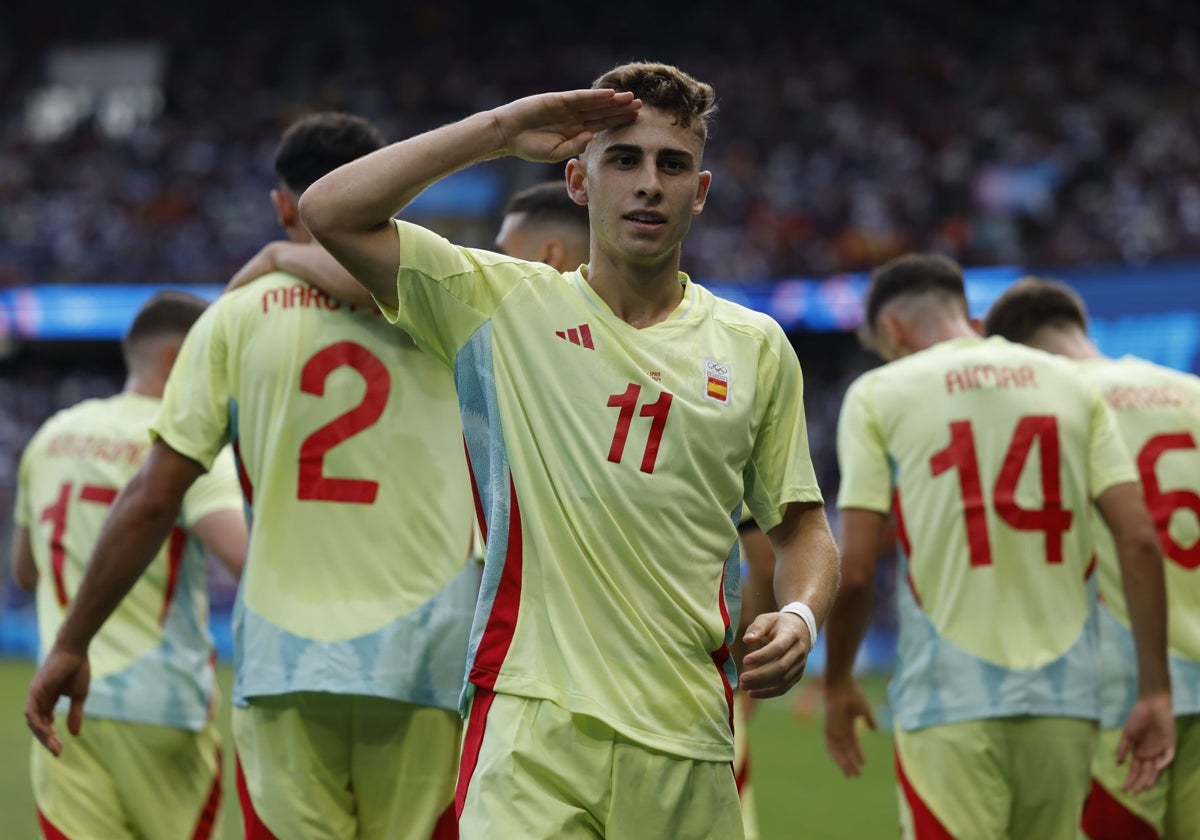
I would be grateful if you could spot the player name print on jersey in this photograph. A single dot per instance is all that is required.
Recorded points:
(716, 382)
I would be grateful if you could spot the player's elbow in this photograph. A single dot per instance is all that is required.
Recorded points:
(319, 211)
(855, 577)
(1140, 546)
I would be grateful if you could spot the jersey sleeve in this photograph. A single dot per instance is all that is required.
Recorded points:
(446, 292)
(194, 417)
(217, 489)
(1109, 461)
(866, 475)
(22, 515)
(780, 470)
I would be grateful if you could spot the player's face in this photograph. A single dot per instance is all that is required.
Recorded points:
(644, 184)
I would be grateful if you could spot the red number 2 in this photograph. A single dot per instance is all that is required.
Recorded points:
(1163, 505)
(1052, 518)
(656, 410)
(313, 484)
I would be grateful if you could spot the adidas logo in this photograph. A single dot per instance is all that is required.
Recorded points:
(581, 335)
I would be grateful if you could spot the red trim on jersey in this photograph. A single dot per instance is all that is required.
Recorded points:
(49, 832)
(252, 825)
(446, 828)
(208, 817)
(481, 704)
(721, 655)
(1091, 569)
(1104, 818)
(742, 774)
(243, 476)
(926, 826)
(502, 621)
(905, 545)
(177, 544)
(480, 518)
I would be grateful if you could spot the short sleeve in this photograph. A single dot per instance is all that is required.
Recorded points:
(780, 470)
(866, 475)
(1109, 461)
(194, 416)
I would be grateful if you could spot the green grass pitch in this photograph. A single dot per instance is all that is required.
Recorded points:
(800, 793)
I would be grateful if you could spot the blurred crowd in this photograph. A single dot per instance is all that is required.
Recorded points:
(1065, 134)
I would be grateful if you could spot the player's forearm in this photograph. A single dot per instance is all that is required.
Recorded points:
(845, 628)
(135, 529)
(313, 263)
(366, 193)
(1145, 594)
(806, 567)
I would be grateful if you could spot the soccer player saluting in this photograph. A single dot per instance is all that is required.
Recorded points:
(148, 762)
(990, 455)
(616, 416)
(354, 610)
(1157, 411)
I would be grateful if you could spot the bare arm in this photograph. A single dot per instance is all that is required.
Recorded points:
(224, 533)
(24, 569)
(139, 522)
(1149, 733)
(350, 210)
(861, 535)
(758, 594)
(806, 569)
(308, 261)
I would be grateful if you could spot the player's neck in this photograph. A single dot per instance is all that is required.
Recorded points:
(143, 385)
(1073, 344)
(936, 330)
(641, 297)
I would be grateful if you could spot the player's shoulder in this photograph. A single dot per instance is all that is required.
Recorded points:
(733, 316)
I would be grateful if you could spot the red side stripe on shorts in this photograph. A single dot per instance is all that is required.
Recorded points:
(1104, 818)
(925, 824)
(48, 830)
(252, 824)
(502, 621)
(208, 817)
(476, 724)
(447, 825)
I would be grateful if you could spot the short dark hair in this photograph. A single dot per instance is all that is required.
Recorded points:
(912, 274)
(168, 312)
(667, 88)
(548, 201)
(1032, 303)
(317, 144)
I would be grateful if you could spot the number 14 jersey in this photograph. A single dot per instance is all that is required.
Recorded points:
(611, 465)
(991, 454)
(351, 457)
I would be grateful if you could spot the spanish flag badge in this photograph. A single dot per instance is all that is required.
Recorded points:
(716, 382)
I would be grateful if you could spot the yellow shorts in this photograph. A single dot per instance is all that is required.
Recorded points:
(531, 769)
(741, 766)
(122, 780)
(997, 778)
(317, 765)
(1169, 809)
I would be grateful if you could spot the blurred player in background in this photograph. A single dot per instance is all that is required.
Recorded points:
(1157, 411)
(148, 763)
(990, 454)
(352, 619)
(543, 223)
(616, 416)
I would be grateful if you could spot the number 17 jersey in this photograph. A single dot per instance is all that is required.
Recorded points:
(347, 440)
(611, 464)
(991, 454)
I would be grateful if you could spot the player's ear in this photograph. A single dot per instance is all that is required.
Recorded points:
(577, 180)
(891, 335)
(976, 324)
(552, 253)
(701, 192)
(167, 357)
(286, 208)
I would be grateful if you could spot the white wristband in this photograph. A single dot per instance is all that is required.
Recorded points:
(801, 609)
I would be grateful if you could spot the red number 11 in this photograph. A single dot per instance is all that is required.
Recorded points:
(656, 410)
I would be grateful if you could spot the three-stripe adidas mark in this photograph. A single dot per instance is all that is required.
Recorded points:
(581, 335)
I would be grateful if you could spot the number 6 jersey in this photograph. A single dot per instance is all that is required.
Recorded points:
(611, 465)
(990, 454)
(350, 453)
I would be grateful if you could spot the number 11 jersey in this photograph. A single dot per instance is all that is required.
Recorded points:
(611, 465)
(990, 454)
(347, 441)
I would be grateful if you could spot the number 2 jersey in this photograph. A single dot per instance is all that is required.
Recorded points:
(611, 465)
(152, 661)
(1157, 411)
(350, 453)
(990, 454)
